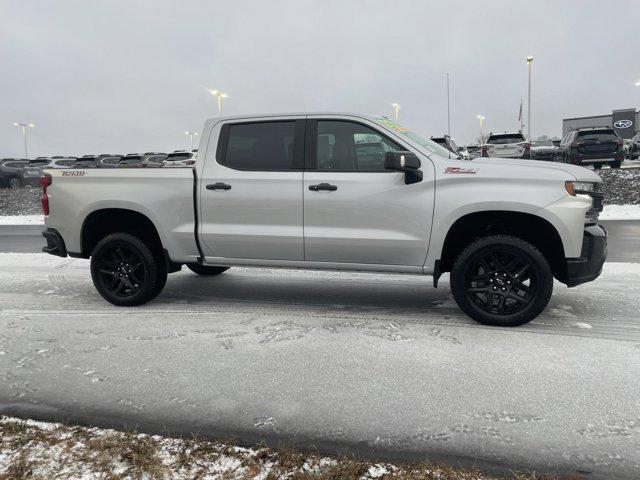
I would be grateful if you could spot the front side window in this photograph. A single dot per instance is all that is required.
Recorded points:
(351, 147)
(263, 146)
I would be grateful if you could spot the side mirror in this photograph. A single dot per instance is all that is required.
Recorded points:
(406, 162)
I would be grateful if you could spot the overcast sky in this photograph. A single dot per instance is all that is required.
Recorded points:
(127, 76)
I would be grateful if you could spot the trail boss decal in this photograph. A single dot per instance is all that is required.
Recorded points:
(460, 170)
(73, 173)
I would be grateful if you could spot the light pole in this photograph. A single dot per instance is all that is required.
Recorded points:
(220, 95)
(191, 135)
(529, 63)
(481, 118)
(24, 127)
(396, 108)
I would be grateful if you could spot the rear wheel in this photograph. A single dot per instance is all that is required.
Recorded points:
(205, 270)
(125, 271)
(501, 280)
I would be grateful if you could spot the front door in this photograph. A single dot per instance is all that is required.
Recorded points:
(251, 192)
(355, 211)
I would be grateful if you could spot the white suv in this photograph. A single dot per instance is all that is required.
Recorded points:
(506, 145)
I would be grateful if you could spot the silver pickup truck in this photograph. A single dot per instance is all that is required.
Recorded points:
(334, 191)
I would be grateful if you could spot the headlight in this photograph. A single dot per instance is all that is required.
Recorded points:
(573, 188)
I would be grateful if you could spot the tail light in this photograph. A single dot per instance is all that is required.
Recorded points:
(189, 162)
(527, 150)
(46, 180)
(484, 151)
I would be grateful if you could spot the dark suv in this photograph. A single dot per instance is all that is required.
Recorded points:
(595, 146)
(11, 172)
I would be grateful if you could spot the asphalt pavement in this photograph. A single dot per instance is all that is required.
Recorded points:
(373, 364)
(624, 240)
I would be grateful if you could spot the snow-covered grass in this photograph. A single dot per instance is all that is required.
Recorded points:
(41, 450)
(620, 212)
(610, 212)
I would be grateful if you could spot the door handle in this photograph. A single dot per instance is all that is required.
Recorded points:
(323, 186)
(219, 186)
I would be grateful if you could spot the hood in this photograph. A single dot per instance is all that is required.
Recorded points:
(580, 174)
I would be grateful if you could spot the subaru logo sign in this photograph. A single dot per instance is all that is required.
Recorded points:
(623, 124)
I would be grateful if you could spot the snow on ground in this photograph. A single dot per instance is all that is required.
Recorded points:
(52, 450)
(611, 212)
(620, 212)
(22, 220)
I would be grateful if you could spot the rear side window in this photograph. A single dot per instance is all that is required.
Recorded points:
(506, 138)
(598, 135)
(260, 146)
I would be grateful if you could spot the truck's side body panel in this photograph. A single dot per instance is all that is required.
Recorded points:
(163, 196)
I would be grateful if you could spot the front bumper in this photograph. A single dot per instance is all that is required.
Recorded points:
(594, 252)
(55, 243)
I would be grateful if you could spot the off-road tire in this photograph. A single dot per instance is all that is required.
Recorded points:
(135, 261)
(469, 279)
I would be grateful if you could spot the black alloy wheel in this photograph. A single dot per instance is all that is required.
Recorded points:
(501, 280)
(125, 271)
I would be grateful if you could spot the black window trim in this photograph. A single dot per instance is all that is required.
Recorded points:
(298, 154)
(311, 151)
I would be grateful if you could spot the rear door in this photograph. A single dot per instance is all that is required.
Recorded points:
(355, 211)
(251, 191)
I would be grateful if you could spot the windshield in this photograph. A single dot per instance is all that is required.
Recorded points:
(506, 138)
(429, 145)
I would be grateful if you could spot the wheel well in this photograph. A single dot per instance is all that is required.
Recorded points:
(101, 223)
(531, 228)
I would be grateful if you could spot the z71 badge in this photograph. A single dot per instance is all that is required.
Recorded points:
(73, 173)
(460, 170)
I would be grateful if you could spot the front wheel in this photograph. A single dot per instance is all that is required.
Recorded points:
(501, 280)
(125, 271)
(205, 270)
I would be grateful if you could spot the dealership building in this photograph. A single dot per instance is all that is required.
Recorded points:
(625, 122)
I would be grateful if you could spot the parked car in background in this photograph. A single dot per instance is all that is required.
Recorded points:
(32, 171)
(11, 172)
(463, 153)
(130, 161)
(634, 147)
(596, 146)
(506, 145)
(543, 150)
(107, 162)
(447, 142)
(180, 159)
(61, 162)
(153, 160)
(474, 151)
(84, 163)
